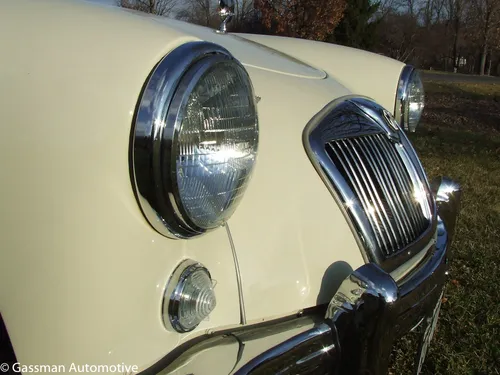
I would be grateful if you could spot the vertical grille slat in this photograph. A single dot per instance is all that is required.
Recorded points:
(381, 209)
(374, 169)
(405, 220)
(400, 230)
(374, 209)
(404, 186)
(354, 181)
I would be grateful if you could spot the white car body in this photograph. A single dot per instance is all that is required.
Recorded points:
(82, 272)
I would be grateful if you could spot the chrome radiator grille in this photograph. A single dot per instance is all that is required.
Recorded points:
(381, 179)
(373, 172)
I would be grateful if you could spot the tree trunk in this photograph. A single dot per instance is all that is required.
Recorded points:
(472, 65)
(455, 45)
(482, 65)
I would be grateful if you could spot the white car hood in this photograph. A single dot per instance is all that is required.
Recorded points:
(249, 53)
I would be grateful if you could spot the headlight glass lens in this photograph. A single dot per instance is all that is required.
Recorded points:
(414, 101)
(216, 145)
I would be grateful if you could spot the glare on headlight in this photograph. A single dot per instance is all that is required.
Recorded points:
(195, 140)
(217, 143)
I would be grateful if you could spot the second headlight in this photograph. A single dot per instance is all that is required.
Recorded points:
(409, 99)
(195, 140)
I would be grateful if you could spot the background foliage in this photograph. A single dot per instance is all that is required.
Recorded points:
(452, 35)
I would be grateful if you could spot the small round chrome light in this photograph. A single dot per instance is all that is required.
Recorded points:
(409, 99)
(194, 140)
(189, 297)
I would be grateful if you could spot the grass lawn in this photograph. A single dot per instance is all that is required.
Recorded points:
(460, 137)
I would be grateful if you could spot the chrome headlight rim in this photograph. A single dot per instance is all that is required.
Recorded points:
(401, 113)
(152, 154)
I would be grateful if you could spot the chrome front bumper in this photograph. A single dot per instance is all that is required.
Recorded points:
(357, 332)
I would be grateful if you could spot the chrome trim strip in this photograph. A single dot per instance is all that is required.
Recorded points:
(186, 351)
(320, 336)
(243, 317)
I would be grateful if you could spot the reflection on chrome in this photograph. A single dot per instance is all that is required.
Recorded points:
(410, 99)
(349, 203)
(447, 194)
(446, 190)
(324, 350)
(311, 352)
(368, 279)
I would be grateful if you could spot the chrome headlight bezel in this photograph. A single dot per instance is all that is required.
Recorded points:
(402, 103)
(156, 130)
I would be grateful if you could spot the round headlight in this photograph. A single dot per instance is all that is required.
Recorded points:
(410, 99)
(189, 297)
(195, 140)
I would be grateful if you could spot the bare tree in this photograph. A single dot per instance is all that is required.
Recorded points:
(455, 10)
(411, 6)
(385, 7)
(486, 23)
(158, 7)
(244, 11)
(432, 12)
(201, 12)
(397, 36)
(438, 9)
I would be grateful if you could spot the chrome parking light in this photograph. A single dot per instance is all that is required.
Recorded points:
(189, 297)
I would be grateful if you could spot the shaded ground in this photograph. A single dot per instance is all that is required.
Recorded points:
(460, 138)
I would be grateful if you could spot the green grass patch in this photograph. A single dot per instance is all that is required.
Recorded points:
(464, 89)
(460, 138)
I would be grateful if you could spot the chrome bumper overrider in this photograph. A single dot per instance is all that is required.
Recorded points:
(365, 317)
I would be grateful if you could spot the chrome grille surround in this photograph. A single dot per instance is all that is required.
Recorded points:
(373, 172)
